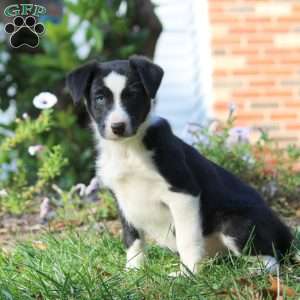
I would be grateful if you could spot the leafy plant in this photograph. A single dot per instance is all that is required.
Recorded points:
(21, 185)
(262, 163)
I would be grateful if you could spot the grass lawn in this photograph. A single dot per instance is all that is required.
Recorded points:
(89, 265)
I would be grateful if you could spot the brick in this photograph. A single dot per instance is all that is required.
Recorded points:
(281, 51)
(279, 28)
(262, 61)
(251, 93)
(290, 61)
(262, 105)
(221, 106)
(246, 72)
(290, 82)
(241, 8)
(289, 20)
(283, 116)
(221, 41)
(216, 10)
(262, 83)
(244, 51)
(224, 20)
(229, 62)
(285, 138)
(277, 93)
(222, 93)
(292, 104)
(293, 126)
(263, 39)
(258, 20)
(273, 9)
(219, 30)
(287, 40)
(220, 73)
(249, 117)
(219, 52)
(267, 127)
(277, 71)
(228, 83)
(243, 30)
(296, 8)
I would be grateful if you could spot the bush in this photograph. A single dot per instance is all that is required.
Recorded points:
(263, 164)
(28, 170)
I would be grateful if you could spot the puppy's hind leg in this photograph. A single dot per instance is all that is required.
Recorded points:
(235, 233)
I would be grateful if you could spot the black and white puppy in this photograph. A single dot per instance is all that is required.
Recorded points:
(164, 187)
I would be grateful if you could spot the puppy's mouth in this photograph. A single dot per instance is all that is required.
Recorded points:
(114, 137)
(116, 133)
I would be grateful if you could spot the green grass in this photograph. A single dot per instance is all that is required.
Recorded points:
(88, 265)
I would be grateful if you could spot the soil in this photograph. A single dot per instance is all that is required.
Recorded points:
(14, 229)
(17, 229)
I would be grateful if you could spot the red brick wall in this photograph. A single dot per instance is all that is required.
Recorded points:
(256, 56)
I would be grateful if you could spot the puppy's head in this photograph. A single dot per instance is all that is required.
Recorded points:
(118, 93)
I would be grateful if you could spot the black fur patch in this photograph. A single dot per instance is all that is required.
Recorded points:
(227, 204)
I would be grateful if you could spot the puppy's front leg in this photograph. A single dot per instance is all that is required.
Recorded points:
(189, 239)
(134, 242)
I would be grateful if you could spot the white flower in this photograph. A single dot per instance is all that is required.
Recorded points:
(33, 150)
(44, 100)
(25, 116)
(122, 10)
(11, 91)
(3, 193)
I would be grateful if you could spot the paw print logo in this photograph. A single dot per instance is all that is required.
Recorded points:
(24, 32)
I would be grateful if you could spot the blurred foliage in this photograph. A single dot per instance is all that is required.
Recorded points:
(101, 29)
(33, 174)
(263, 164)
(107, 209)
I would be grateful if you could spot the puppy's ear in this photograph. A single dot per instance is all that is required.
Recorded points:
(150, 73)
(79, 80)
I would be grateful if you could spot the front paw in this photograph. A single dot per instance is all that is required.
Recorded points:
(185, 271)
(135, 263)
(176, 274)
(131, 266)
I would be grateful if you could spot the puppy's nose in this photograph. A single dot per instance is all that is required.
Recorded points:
(118, 128)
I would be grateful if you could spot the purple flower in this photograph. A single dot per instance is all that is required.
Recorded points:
(238, 135)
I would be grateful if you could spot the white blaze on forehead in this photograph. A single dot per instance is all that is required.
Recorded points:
(116, 83)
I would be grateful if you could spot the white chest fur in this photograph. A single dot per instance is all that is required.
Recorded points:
(128, 169)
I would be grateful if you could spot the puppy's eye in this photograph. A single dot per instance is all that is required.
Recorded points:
(100, 99)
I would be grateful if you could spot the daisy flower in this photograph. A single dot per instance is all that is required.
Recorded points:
(44, 100)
